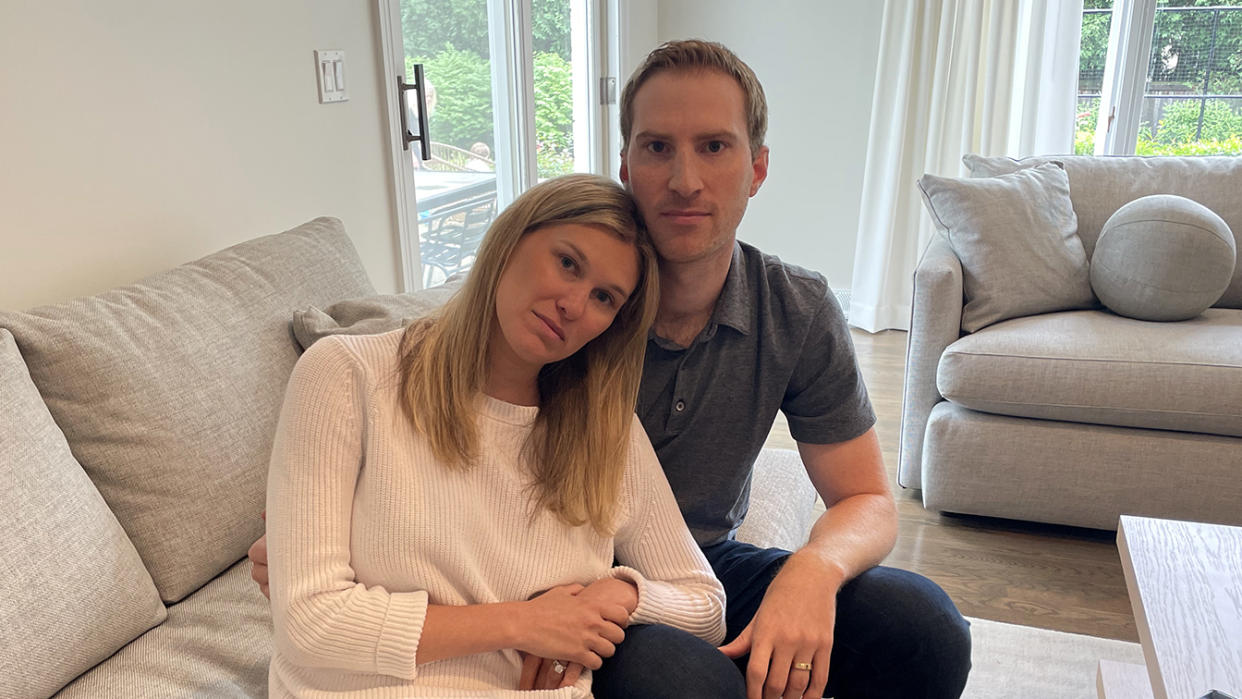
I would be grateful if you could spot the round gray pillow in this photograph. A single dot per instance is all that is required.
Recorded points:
(1162, 257)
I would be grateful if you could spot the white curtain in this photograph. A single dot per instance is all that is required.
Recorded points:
(994, 77)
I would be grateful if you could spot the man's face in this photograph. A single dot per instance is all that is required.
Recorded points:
(688, 163)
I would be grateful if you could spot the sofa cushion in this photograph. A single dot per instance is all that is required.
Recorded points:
(168, 390)
(1100, 368)
(1162, 257)
(1099, 185)
(1075, 474)
(1015, 235)
(74, 588)
(216, 643)
(371, 315)
(782, 502)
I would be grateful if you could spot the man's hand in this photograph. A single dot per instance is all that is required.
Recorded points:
(258, 556)
(794, 625)
(795, 622)
(540, 673)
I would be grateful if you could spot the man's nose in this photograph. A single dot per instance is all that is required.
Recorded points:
(685, 180)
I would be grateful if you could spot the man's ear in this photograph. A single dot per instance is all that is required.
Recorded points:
(625, 170)
(760, 168)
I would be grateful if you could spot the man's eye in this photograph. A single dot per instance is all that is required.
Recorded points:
(657, 147)
(715, 146)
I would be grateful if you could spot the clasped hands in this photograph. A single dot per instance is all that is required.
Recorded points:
(570, 627)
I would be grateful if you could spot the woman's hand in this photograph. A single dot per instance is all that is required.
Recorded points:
(564, 625)
(541, 673)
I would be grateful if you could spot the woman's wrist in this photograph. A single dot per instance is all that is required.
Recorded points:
(514, 623)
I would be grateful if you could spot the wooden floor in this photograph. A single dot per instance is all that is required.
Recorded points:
(1060, 578)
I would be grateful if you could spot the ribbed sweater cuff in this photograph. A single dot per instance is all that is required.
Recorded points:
(397, 649)
(674, 605)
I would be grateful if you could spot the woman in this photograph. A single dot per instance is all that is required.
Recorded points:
(447, 500)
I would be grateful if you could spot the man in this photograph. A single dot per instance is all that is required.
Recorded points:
(740, 335)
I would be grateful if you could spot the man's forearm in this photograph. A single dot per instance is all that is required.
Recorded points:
(854, 534)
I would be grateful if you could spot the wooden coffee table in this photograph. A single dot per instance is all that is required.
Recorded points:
(1185, 584)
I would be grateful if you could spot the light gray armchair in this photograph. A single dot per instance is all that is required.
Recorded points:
(1076, 417)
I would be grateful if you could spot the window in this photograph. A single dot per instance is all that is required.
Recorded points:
(1160, 77)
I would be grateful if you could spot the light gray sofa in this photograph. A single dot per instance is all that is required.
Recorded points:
(1079, 416)
(135, 430)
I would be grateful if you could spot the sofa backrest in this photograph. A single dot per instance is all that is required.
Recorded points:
(168, 390)
(1099, 185)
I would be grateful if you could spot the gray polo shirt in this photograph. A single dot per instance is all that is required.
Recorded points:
(777, 340)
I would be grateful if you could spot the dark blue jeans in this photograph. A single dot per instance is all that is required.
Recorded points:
(897, 635)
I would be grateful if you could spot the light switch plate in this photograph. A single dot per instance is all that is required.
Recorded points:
(330, 69)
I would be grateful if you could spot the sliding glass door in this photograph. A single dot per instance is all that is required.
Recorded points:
(509, 95)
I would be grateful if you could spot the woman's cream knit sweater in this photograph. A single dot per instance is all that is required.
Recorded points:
(365, 529)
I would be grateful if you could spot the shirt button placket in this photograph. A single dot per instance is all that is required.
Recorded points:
(677, 416)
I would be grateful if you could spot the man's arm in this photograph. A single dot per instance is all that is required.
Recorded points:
(795, 621)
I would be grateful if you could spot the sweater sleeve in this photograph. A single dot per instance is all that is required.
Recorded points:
(322, 616)
(656, 552)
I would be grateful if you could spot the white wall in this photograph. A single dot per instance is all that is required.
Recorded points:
(136, 135)
(817, 62)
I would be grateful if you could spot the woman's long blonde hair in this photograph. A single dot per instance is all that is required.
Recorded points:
(577, 449)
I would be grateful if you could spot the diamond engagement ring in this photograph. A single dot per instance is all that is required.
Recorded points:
(558, 667)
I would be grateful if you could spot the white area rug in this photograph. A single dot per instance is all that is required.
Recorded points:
(1029, 663)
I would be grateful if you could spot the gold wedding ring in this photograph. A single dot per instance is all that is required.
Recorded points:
(802, 666)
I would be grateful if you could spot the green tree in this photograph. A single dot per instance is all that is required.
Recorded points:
(1187, 45)
(554, 115)
(1093, 50)
(429, 26)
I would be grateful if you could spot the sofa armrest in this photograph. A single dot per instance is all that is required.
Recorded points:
(935, 323)
(782, 502)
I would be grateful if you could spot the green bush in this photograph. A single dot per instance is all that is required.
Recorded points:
(1222, 132)
(1180, 121)
(1084, 127)
(462, 114)
(1227, 146)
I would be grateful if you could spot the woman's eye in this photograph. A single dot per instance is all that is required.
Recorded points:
(604, 297)
(567, 262)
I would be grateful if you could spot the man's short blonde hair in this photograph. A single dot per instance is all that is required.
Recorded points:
(692, 55)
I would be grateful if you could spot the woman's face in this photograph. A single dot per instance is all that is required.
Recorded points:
(561, 288)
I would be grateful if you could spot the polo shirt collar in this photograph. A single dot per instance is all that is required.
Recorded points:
(733, 307)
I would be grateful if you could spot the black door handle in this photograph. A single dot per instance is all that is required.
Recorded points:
(424, 140)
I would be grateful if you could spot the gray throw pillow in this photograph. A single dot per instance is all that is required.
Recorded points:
(371, 315)
(168, 390)
(1016, 237)
(1163, 257)
(995, 165)
(74, 589)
